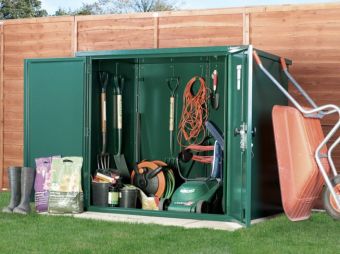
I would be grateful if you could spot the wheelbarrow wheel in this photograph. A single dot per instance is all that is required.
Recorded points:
(329, 201)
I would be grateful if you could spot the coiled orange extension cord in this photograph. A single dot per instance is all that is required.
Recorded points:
(194, 114)
(201, 158)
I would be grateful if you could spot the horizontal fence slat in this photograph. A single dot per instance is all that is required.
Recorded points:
(14, 138)
(118, 36)
(13, 103)
(13, 86)
(115, 45)
(40, 46)
(28, 38)
(200, 42)
(201, 21)
(39, 27)
(17, 59)
(115, 34)
(115, 24)
(302, 17)
(202, 33)
(198, 30)
(13, 151)
(13, 72)
(14, 125)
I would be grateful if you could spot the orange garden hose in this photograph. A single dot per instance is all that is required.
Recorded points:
(194, 114)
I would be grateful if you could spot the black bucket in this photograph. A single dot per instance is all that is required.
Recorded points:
(100, 192)
(128, 198)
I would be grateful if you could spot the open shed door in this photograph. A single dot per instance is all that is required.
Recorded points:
(239, 143)
(54, 108)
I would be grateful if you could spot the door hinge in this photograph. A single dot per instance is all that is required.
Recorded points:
(242, 131)
(87, 132)
(88, 68)
(88, 72)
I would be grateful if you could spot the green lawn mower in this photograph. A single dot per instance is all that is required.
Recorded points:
(196, 196)
(199, 195)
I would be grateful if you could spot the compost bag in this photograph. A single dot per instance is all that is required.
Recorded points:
(42, 183)
(66, 194)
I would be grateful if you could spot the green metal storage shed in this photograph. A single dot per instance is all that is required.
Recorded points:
(62, 117)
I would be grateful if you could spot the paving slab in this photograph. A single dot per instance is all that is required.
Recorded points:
(259, 220)
(186, 223)
(217, 225)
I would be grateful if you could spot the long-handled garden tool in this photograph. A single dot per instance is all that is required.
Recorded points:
(173, 84)
(103, 159)
(119, 157)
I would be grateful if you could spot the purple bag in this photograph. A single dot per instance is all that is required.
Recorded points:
(42, 182)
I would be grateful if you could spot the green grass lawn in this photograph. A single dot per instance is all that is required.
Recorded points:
(56, 234)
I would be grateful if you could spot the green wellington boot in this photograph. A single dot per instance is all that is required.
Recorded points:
(14, 179)
(27, 181)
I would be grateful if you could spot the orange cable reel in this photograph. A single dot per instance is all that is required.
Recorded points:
(148, 166)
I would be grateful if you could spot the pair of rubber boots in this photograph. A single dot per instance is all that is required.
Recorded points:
(21, 182)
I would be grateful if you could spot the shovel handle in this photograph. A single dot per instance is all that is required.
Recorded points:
(172, 113)
(103, 107)
(138, 137)
(119, 112)
(104, 137)
(119, 151)
(103, 120)
(119, 121)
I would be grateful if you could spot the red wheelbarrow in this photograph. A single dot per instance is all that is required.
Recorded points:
(305, 164)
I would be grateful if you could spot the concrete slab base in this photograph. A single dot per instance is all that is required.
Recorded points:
(186, 223)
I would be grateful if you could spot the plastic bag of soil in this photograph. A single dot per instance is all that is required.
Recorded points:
(66, 194)
(42, 183)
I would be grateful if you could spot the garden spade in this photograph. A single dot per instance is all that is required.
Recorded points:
(119, 157)
(103, 159)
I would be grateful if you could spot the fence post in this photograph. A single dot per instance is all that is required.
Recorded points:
(74, 36)
(155, 30)
(245, 28)
(1, 104)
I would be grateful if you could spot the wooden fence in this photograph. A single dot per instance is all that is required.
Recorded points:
(308, 34)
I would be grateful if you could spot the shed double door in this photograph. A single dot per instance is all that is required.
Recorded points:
(55, 92)
(56, 119)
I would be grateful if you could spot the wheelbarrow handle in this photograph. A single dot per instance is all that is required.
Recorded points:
(257, 58)
(283, 63)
